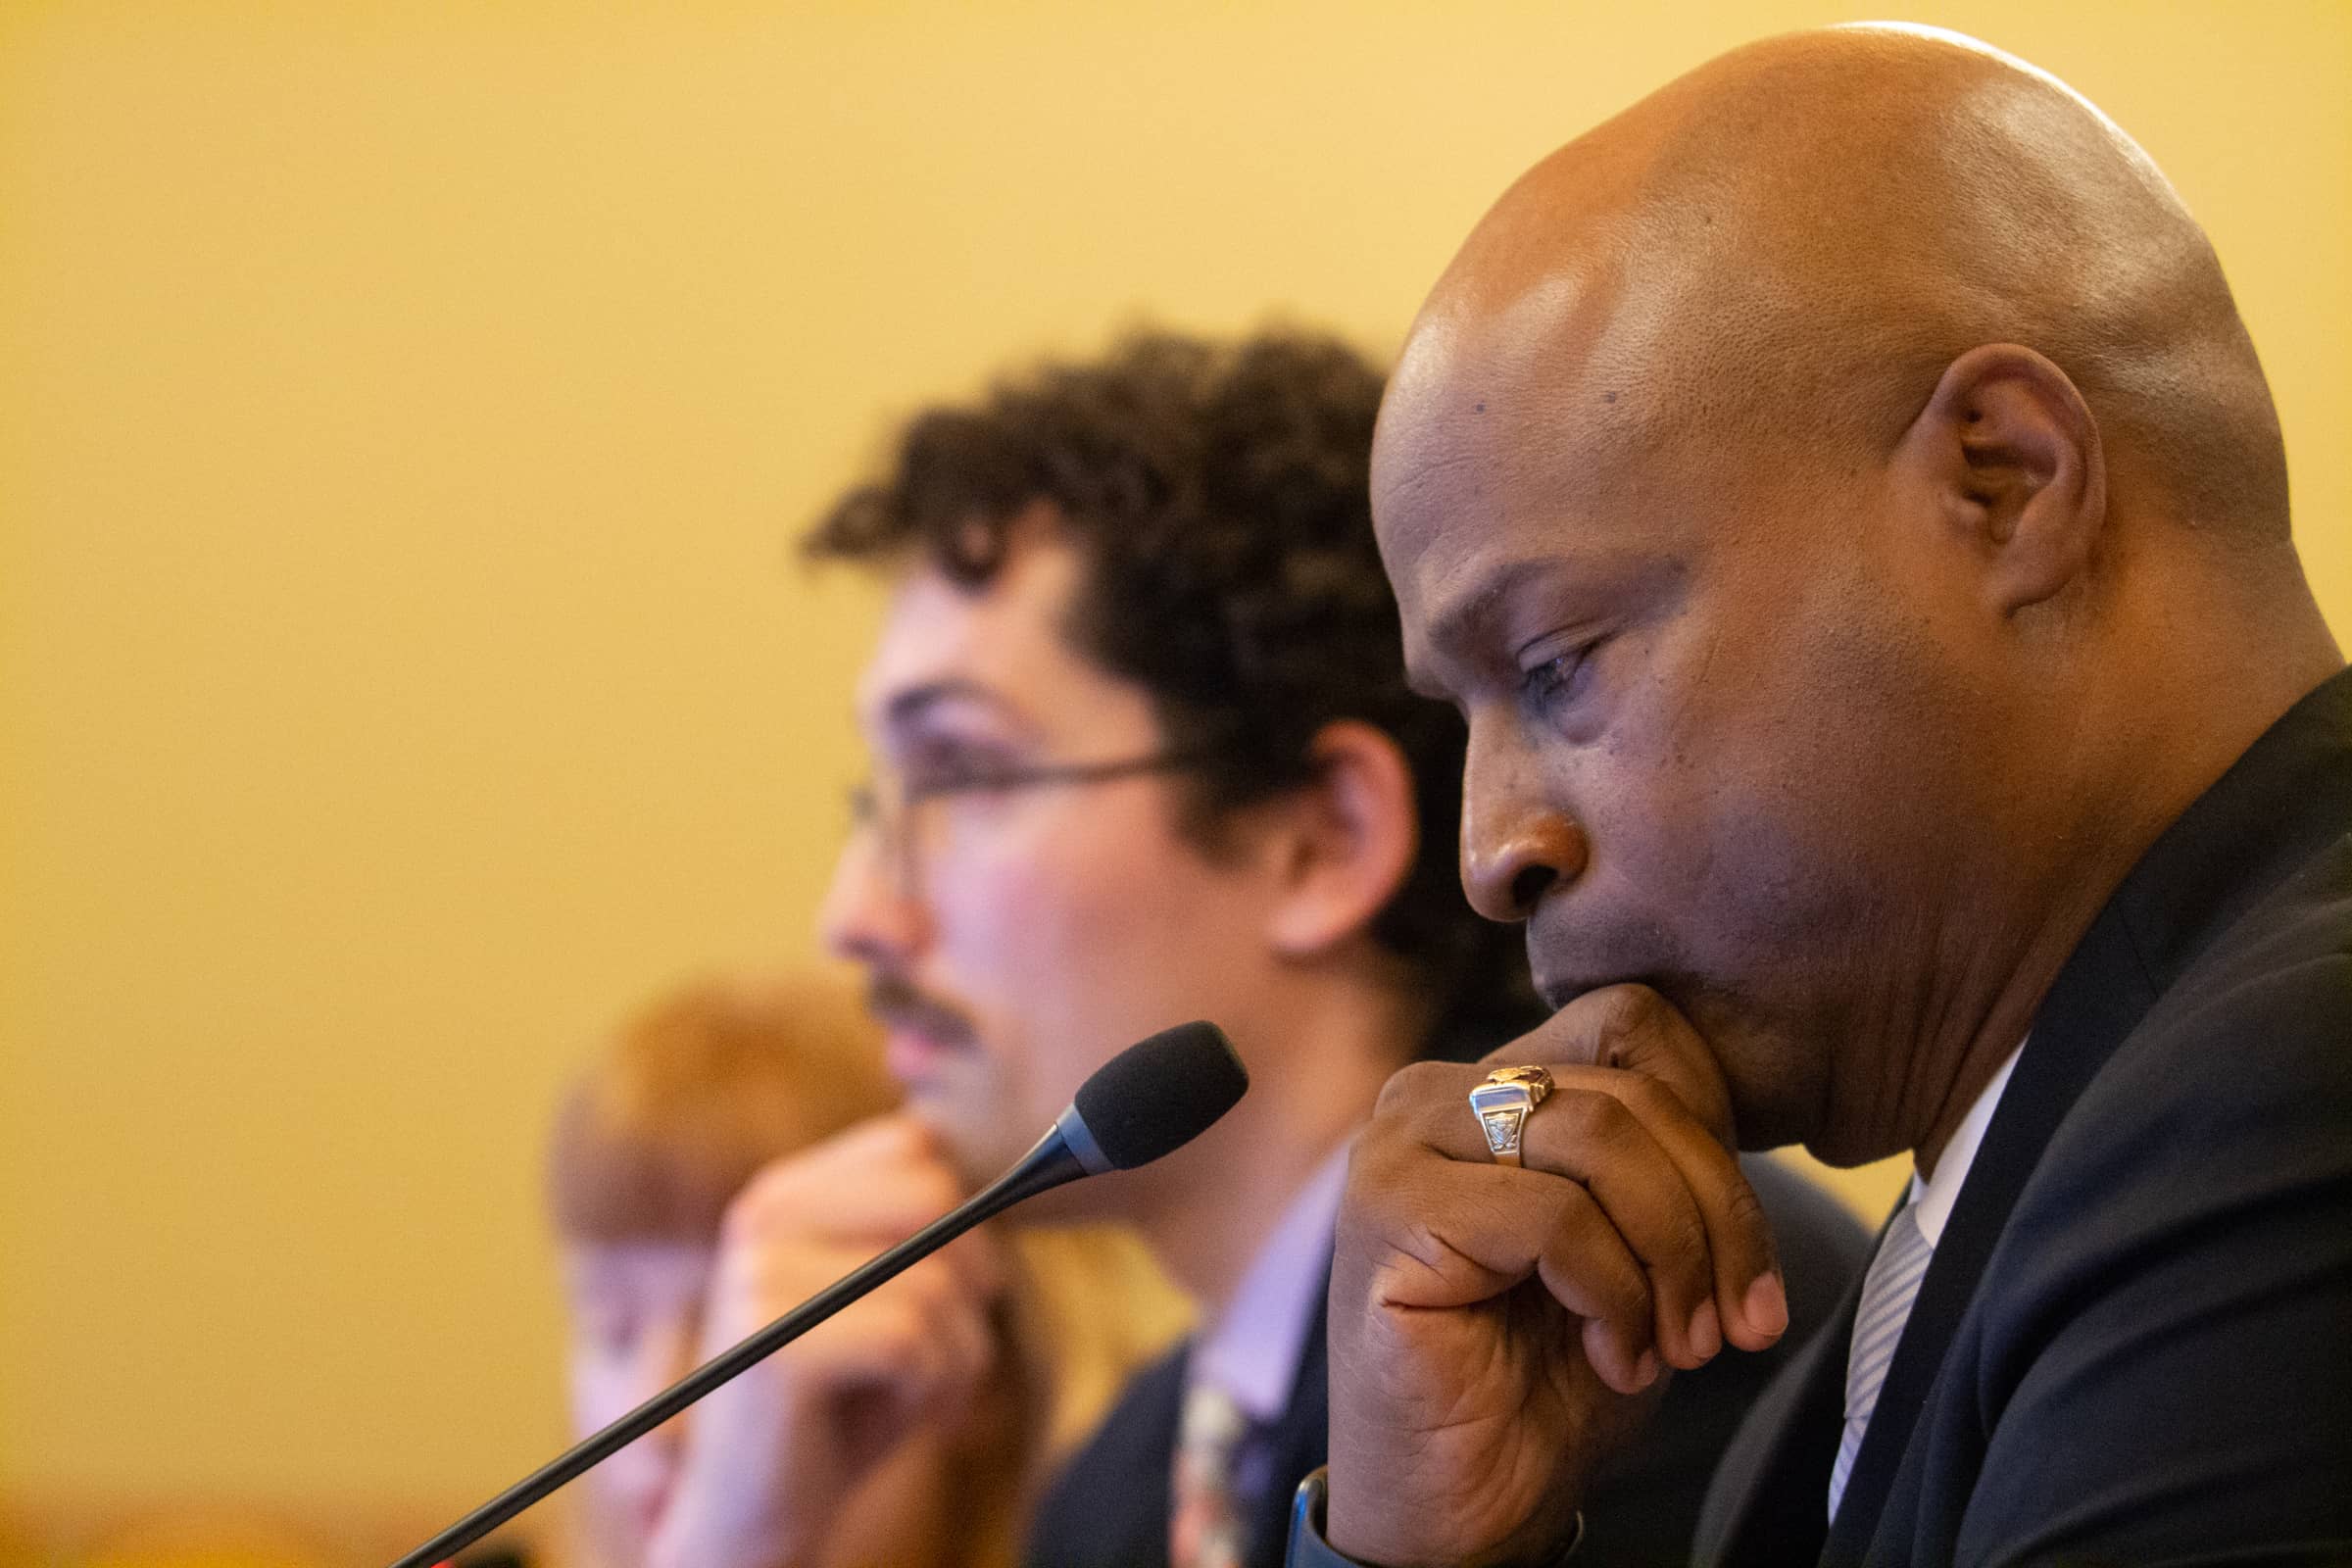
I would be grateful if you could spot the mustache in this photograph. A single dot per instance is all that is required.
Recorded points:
(896, 1003)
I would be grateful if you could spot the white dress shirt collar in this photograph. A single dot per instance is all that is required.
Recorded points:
(1931, 1199)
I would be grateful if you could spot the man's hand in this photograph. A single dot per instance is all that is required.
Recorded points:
(770, 1458)
(1492, 1329)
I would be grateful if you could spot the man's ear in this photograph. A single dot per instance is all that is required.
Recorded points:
(2010, 456)
(1349, 840)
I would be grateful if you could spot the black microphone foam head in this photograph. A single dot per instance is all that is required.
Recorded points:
(1160, 1094)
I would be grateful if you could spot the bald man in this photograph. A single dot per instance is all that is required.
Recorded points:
(1842, 497)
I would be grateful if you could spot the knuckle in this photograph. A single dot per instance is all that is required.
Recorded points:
(1580, 1246)
(1746, 1211)
(1365, 1201)
(1575, 1211)
(1649, 1099)
(1628, 1291)
(1413, 1087)
(1372, 1173)
(1593, 1116)
(1682, 1236)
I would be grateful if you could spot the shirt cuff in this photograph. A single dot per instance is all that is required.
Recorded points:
(1308, 1548)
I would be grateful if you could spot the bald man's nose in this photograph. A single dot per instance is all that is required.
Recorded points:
(869, 914)
(1516, 845)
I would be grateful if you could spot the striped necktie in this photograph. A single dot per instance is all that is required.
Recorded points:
(1888, 1292)
(1205, 1522)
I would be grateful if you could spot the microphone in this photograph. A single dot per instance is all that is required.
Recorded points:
(1149, 1100)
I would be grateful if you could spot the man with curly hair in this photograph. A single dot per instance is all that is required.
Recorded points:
(1144, 752)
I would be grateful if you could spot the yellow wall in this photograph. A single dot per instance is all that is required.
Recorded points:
(402, 409)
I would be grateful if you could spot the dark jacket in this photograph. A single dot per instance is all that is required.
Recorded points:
(2135, 1341)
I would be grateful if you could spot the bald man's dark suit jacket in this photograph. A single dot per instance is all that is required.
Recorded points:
(2133, 1344)
(1110, 1507)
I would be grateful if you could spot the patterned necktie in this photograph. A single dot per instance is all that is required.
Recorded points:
(1205, 1524)
(1888, 1290)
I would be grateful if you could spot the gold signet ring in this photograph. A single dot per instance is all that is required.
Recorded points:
(1502, 1104)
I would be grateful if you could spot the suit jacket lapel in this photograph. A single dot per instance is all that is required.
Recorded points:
(2266, 815)
(2099, 996)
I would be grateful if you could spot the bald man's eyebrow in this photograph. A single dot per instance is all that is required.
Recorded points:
(1458, 630)
(1486, 627)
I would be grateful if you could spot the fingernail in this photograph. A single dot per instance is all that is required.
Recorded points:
(1766, 1307)
(1645, 1370)
(1707, 1330)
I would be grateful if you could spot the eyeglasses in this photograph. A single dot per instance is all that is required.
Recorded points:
(885, 804)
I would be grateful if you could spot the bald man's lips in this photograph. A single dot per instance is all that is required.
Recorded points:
(1559, 985)
(1570, 954)
(1558, 989)
(1557, 994)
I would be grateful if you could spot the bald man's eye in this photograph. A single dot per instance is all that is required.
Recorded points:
(1554, 682)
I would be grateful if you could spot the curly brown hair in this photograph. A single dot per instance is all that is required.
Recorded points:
(1218, 494)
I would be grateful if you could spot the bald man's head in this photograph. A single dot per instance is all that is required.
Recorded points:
(1843, 498)
(1807, 230)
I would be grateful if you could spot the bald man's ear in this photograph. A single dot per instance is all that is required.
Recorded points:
(2010, 453)
(1348, 841)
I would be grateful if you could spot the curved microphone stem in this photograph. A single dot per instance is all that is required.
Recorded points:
(1048, 1164)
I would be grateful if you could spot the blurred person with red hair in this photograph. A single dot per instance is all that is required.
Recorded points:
(699, 1179)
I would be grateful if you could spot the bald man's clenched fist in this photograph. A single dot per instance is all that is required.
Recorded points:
(1496, 1330)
